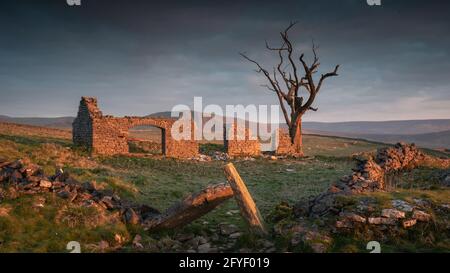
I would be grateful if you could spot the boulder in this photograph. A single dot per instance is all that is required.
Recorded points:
(227, 229)
(131, 217)
(402, 205)
(393, 213)
(45, 184)
(409, 223)
(382, 221)
(421, 216)
(353, 217)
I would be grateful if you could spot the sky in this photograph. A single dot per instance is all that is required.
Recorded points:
(139, 57)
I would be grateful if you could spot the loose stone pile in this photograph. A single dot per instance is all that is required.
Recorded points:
(370, 175)
(22, 177)
(401, 213)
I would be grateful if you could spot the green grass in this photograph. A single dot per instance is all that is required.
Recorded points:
(160, 182)
(49, 229)
(424, 237)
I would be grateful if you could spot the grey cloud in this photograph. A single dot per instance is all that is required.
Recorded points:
(145, 56)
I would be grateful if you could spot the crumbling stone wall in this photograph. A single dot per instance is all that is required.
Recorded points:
(369, 176)
(108, 135)
(285, 146)
(238, 141)
(248, 147)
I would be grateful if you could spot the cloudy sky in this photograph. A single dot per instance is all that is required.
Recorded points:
(139, 57)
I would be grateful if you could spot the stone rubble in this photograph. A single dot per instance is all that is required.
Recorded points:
(370, 176)
(22, 177)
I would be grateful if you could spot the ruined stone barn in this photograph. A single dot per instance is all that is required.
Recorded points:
(109, 135)
(239, 142)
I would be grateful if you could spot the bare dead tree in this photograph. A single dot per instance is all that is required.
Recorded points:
(296, 80)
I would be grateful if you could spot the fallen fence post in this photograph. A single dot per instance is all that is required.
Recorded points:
(244, 200)
(191, 208)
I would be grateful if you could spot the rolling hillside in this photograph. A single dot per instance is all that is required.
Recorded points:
(433, 133)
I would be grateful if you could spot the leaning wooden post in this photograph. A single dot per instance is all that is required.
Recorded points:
(245, 201)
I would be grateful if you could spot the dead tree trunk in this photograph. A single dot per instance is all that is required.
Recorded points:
(245, 201)
(191, 208)
(297, 137)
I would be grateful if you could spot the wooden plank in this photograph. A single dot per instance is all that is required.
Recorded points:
(244, 199)
(191, 208)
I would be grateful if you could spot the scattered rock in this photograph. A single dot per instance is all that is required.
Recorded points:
(119, 238)
(63, 194)
(267, 244)
(88, 186)
(409, 223)
(204, 248)
(319, 248)
(137, 241)
(131, 217)
(421, 216)
(421, 202)
(4, 211)
(402, 205)
(227, 229)
(382, 221)
(393, 213)
(353, 217)
(220, 156)
(103, 245)
(39, 202)
(108, 202)
(45, 184)
(270, 250)
(235, 235)
(343, 224)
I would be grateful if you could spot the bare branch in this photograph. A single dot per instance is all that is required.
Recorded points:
(290, 71)
(327, 75)
(275, 87)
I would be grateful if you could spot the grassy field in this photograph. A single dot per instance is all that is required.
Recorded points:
(160, 182)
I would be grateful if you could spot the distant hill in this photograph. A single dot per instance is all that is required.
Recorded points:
(432, 133)
(438, 140)
(399, 127)
(59, 122)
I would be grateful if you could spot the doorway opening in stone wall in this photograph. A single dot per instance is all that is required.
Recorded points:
(146, 139)
(210, 145)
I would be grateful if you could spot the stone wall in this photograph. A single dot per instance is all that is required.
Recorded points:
(238, 141)
(370, 176)
(285, 146)
(108, 135)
